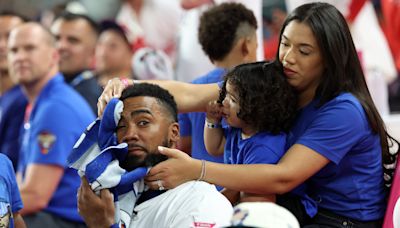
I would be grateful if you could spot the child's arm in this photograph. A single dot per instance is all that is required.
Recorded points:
(214, 139)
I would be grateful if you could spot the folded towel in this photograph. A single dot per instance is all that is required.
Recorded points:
(97, 156)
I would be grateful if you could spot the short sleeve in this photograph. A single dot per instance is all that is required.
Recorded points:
(335, 130)
(185, 126)
(261, 154)
(8, 183)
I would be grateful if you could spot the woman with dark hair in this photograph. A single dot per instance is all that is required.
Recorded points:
(337, 145)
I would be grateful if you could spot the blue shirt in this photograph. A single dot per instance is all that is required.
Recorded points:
(352, 183)
(10, 200)
(12, 108)
(261, 148)
(192, 124)
(56, 122)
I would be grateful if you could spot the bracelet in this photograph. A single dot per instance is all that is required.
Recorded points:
(203, 171)
(213, 125)
(124, 81)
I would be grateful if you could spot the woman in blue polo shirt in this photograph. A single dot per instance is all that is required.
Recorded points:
(338, 144)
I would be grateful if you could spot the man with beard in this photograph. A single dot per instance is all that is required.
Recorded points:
(149, 120)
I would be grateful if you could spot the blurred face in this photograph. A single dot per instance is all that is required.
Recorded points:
(113, 54)
(76, 43)
(144, 127)
(231, 107)
(30, 54)
(301, 57)
(7, 23)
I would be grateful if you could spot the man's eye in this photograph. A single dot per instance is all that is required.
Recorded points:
(143, 123)
(120, 127)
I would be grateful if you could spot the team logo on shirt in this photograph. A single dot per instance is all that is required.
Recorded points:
(203, 225)
(5, 214)
(46, 140)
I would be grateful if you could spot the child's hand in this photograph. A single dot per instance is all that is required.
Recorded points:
(214, 112)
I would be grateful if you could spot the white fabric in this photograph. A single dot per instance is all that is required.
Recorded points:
(192, 204)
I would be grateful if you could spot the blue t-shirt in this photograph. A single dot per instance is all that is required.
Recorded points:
(10, 200)
(12, 108)
(56, 122)
(261, 148)
(352, 183)
(192, 124)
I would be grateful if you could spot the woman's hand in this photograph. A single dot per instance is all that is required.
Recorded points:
(113, 89)
(96, 211)
(178, 169)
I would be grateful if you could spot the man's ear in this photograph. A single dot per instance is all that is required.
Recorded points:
(174, 134)
(245, 46)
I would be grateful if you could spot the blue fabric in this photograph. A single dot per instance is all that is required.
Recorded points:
(352, 183)
(9, 194)
(261, 148)
(12, 109)
(192, 124)
(58, 117)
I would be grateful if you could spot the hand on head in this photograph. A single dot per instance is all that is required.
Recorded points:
(178, 169)
(113, 89)
(95, 210)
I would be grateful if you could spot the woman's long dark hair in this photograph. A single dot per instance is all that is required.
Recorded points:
(343, 72)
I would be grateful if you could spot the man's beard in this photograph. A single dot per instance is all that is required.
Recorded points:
(152, 158)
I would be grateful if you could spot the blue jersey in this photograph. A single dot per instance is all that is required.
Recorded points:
(192, 124)
(10, 200)
(12, 107)
(261, 148)
(56, 122)
(352, 183)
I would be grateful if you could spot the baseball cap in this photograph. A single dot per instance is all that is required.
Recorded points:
(262, 215)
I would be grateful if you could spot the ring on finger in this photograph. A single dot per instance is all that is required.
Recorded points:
(160, 186)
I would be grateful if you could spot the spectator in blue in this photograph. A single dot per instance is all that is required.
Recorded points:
(227, 34)
(338, 145)
(12, 100)
(10, 199)
(55, 117)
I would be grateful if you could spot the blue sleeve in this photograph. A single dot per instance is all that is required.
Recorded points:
(261, 154)
(185, 125)
(7, 175)
(56, 130)
(335, 130)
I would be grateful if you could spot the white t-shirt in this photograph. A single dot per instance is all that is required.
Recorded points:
(192, 204)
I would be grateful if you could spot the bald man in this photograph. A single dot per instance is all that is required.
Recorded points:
(54, 119)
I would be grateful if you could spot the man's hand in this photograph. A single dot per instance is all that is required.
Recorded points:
(97, 211)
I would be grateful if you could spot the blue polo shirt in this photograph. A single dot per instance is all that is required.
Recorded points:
(192, 124)
(352, 183)
(56, 122)
(10, 200)
(12, 107)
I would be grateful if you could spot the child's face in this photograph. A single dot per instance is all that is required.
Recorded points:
(231, 107)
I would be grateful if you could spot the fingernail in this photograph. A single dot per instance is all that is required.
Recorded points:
(160, 148)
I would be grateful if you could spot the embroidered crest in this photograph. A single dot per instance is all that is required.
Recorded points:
(46, 140)
(5, 214)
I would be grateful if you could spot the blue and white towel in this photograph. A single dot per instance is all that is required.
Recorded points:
(97, 156)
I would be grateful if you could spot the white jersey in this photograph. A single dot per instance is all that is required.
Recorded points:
(192, 204)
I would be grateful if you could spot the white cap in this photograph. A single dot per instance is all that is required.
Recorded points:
(263, 215)
(148, 63)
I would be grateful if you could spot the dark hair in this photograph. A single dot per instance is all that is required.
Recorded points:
(68, 16)
(267, 101)
(13, 14)
(110, 25)
(163, 97)
(218, 29)
(343, 72)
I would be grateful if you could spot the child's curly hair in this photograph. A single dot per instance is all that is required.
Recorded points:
(267, 102)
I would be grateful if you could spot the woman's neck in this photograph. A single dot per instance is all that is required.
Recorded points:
(305, 98)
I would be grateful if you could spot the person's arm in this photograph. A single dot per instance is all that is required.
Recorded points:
(298, 164)
(232, 195)
(38, 186)
(214, 139)
(96, 211)
(189, 97)
(18, 221)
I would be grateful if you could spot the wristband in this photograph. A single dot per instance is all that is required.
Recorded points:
(124, 81)
(203, 171)
(213, 125)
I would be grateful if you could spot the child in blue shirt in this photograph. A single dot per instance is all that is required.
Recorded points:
(259, 106)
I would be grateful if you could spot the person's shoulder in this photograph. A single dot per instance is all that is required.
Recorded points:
(213, 76)
(6, 167)
(4, 160)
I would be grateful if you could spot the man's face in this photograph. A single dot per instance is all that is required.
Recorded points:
(7, 23)
(30, 54)
(145, 125)
(76, 42)
(113, 54)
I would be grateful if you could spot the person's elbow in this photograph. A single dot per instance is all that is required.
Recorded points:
(285, 185)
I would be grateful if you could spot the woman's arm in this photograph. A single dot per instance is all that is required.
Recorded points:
(296, 166)
(189, 97)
